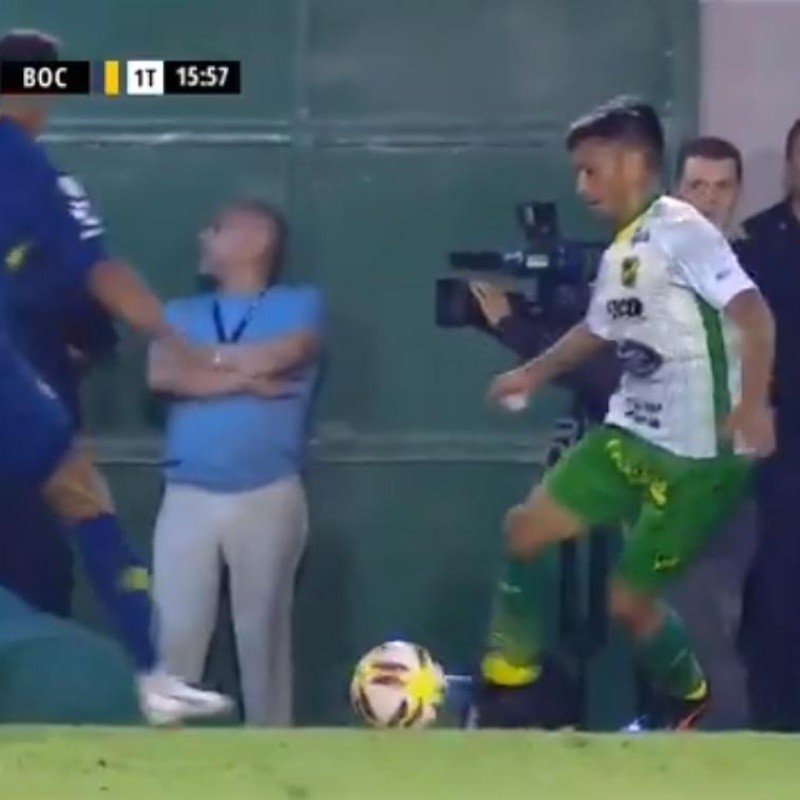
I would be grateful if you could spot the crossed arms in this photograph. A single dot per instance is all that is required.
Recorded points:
(262, 368)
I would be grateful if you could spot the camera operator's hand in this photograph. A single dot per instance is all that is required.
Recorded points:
(493, 302)
(516, 386)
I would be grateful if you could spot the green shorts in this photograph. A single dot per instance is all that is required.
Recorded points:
(669, 506)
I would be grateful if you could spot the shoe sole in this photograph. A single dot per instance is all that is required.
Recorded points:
(166, 719)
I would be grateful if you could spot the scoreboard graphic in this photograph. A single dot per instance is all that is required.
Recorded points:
(114, 78)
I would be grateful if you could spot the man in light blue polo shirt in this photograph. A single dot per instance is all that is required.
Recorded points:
(235, 448)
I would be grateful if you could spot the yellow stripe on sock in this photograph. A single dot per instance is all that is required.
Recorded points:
(699, 693)
(497, 670)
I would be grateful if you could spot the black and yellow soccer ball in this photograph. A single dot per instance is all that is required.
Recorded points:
(397, 685)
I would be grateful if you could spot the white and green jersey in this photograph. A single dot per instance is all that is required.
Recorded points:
(659, 294)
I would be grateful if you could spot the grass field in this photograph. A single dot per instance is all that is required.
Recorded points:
(39, 763)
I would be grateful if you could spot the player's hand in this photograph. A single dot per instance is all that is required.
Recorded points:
(513, 389)
(493, 302)
(755, 424)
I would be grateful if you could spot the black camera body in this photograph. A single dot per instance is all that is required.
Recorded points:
(550, 275)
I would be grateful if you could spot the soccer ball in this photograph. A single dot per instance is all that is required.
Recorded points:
(397, 685)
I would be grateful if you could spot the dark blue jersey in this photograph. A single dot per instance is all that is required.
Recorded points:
(49, 232)
(47, 225)
(61, 343)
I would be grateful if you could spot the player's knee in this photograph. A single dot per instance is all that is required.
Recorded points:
(538, 523)
(640, 613)
(526, 537)
(77, 491)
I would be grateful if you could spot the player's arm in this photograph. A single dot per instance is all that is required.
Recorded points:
(577, 345)
(752, 317)
(125, 295)
(706, 262)
(70, 225)
(67, 225)
(704, 259)
(581, 342)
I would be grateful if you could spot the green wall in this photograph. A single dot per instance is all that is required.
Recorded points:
(392, 132)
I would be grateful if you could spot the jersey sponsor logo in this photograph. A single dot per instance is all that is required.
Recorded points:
(644, 412)
(625, 308)
(80, 207)
(639, 360)
(15, 258)
(629, 271)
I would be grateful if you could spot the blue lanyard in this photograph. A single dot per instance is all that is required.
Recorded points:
(246, 319)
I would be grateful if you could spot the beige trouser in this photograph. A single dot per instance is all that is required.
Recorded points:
(260, 535)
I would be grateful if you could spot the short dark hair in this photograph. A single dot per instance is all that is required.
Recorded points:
(623, 119)
(277, 219)
(792, 137)
(711, 147)
(28, 45)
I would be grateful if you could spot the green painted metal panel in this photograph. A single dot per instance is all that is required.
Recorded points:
(479, 60)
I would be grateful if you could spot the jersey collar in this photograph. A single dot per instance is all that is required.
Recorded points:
(626, 232)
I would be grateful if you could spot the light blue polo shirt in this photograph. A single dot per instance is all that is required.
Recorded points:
(242, 442)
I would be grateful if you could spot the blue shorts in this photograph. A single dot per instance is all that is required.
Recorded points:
(35, 428)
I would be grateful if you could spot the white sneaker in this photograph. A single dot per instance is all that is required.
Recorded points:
(167, 700)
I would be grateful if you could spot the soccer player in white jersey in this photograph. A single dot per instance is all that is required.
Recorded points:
(691, 412)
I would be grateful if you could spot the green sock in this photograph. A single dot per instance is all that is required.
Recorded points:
(515, 631)
(668, 658)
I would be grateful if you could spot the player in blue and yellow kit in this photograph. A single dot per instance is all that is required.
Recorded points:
(49, 229)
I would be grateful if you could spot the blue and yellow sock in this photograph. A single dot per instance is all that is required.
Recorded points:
(121, 582)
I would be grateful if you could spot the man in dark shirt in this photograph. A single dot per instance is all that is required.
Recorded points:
(772, 612)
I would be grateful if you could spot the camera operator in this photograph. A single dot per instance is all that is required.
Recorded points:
(709, 596)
